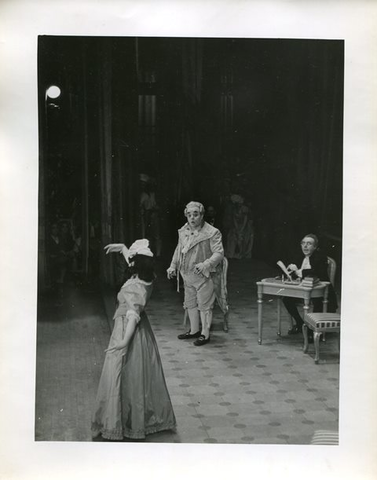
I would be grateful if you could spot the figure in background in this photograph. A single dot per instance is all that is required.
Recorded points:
(150, 216)
(94, 249)
(197, 259)
(236, 234)
(227, 219)
(248, 237)
(132, 399)
(311, 263)
(77, 251)
(76, 229)
(210, 216)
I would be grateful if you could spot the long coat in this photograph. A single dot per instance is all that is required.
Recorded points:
(202, 246)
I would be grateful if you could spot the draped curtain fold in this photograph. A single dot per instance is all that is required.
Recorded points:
(105, 135)
(192, 71)
(304, 178)
(118, 147)
(320, 162)
(287, 102)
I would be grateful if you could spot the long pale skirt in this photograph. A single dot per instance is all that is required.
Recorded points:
(132, 399)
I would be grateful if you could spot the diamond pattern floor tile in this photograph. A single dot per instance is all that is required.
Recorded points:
(231, 390)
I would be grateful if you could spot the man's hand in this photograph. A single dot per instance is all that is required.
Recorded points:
(171, 272)
(292, 268)
(199, 268)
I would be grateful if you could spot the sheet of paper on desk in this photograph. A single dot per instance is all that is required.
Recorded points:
(284, 268)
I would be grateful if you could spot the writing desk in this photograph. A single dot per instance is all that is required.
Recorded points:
(280, 288)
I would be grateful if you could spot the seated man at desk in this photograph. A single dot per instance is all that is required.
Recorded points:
(312, 264)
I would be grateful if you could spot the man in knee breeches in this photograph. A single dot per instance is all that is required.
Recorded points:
(199, 251)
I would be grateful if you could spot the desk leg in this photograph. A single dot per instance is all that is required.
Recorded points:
(304, 327)
(260, 307)
(325, 304)
(306, 341)
(279, 315)
(306, 304)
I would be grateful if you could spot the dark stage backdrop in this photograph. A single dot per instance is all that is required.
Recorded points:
(206, 118)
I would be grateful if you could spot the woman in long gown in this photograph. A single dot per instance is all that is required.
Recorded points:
(132, 399)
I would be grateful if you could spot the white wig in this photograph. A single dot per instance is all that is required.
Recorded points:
(197, 205)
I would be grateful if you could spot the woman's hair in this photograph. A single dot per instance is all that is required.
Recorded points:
(143, 266)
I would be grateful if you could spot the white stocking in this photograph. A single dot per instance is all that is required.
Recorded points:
(206, 319)
(193, 314)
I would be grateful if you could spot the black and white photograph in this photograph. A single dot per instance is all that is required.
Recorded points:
(187, 233)
(210, 160)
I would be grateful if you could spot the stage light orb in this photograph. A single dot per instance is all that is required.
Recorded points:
(53, 92)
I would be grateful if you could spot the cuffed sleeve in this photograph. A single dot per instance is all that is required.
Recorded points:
(132, 299)
(298, 273)
(133, 314)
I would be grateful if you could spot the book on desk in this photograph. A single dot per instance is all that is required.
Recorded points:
(310, 282)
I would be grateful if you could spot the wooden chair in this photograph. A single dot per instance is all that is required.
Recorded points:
(320, 323)
(325, 437)
(331, 269)
(221, 292)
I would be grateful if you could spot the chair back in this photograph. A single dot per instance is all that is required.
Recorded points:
(331, 269)
(225, 267)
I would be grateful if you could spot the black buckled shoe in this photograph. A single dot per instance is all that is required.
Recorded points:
(188, 335)
(202, 340)
(295, 330)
